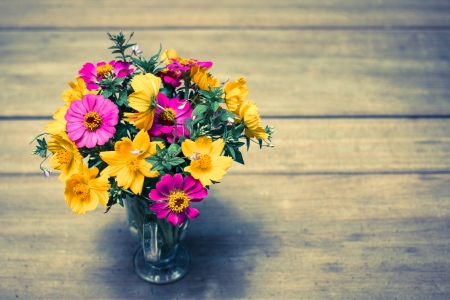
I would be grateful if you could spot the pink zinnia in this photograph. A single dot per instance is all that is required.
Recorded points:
(176, 111)
(91, 121)
(93, 74)
(172, 196)
(187, 65)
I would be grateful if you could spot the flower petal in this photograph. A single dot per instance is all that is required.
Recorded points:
(192, 213)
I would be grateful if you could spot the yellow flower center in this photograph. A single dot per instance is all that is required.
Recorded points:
(133, 163)
(104, 70)
(167, 118)
(92, 120)
(178, 201)
(81, 190)
(64, 157)
(204, 161)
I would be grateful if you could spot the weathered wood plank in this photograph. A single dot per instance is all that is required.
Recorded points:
(288, 72)
(305, 146)
(52, 13)
(284, 237)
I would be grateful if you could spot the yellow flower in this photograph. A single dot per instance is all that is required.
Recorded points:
(248, 111)
(83, 191)
(206, 162)
(146, 88)
(168, 55)
(59, 123)
(235, 93)
(204, 81)
(128, 163)
(66, 156)
(77, 92)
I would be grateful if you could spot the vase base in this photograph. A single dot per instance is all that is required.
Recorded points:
(168, 273)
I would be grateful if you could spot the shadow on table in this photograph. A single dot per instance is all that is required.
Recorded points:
(223, 247)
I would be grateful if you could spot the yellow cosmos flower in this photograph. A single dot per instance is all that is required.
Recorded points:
(128, 163)
(248, 111)
(235, 93)
(204, 81)
(206, 162)
(84, 191)
(59, 123)
(76, 92)
(66, 156)
(167, 56)
(146, 88)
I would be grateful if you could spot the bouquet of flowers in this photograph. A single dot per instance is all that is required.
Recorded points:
(163, 129)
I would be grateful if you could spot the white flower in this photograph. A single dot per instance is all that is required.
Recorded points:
(135, 50)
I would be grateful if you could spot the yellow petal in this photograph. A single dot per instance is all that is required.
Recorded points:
(142, 141)
(217, 148)
(189, 148)
(137, 184)
(204, 144)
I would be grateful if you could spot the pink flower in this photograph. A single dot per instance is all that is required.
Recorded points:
(93, 74)
(176, 112)
(186, 65)
(173, 195)
(171, 77)
(91, 121)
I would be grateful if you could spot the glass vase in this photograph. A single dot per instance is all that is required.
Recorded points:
(162, 257)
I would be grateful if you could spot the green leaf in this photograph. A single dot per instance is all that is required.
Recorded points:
(39, 135)
(174, 149)
(107, 93)
(200, 109)
(176, 161)
(123, 98)
(153, 160)
(239, 157)
(121, 131)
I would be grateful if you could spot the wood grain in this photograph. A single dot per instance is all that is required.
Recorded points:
(288, 72)
(85, 14)
(301, 146)
(260, 236)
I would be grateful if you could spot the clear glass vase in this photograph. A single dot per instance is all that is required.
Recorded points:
(162, 257)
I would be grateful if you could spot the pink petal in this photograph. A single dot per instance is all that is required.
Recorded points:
(192, 213)
(91, 140)
(165, 186)
(173, 218)
(102, 136)
(77, 107)
(76, 134)
(156, 195)
(177, 181)
(160, 208)
(89, 102)
(74, 126)
(188, 183)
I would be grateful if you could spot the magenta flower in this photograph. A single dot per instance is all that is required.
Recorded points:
(186, 65)
(93, 74)
(172, 196)
(171, 77)
(176, 112)
(91, 121)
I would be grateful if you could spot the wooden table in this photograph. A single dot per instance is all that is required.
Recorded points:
(352, 203)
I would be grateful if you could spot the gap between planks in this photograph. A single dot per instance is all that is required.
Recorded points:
(224, 28)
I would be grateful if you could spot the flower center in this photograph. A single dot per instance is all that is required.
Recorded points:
(204, 161)
(133, 163)
(81, 190)
(64, 157)
(104, 70)
(178, 201)
(92, 120)
(167, 118)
